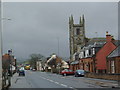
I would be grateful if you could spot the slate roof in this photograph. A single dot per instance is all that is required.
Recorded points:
(75, 62)
(116, 42)
(115, 53)
(97, 40)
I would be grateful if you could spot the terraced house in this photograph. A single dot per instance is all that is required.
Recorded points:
(113, 62)
(100, 57)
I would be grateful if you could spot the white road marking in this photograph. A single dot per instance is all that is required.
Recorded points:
(64, 85)
(57, 83)
(51, 80)
(70, 87)
(48, 79)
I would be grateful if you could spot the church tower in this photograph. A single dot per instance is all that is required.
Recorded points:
(76, 35)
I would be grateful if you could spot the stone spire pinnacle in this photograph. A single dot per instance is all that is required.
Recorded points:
(83, 20)
(69, 20)
(80, 20)
(72, 20)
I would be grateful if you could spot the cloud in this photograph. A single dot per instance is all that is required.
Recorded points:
(35, 27)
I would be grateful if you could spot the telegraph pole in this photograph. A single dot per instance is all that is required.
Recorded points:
(58, 45)
(0, 50)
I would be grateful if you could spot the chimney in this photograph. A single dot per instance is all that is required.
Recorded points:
(109, 38)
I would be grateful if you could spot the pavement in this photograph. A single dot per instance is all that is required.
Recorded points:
(48, 80)
(103, 83)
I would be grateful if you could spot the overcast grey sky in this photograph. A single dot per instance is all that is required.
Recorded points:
(35, 27)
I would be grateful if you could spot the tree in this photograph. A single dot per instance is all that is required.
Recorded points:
(34, 58)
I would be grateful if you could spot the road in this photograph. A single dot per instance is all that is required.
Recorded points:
(35, 79)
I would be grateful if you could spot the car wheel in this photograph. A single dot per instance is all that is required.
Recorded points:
(65, 74)
(76, 75)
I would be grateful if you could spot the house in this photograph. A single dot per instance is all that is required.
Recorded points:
(9, 62)
(113, 62)
(47, 68)
(88, 52)
(39, 65)
(74, 65)
(5, 61)
(56, 64)
(100, 57)
(84, 59)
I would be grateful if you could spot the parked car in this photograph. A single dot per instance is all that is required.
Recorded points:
(79, 73)
(33, 69)
(21, 71)
(67, 72)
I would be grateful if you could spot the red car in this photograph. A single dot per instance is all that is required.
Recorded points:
(67, 72)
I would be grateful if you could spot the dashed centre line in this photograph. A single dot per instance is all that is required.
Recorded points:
(64, 85)
(57, 83)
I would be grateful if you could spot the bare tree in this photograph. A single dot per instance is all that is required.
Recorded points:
(34, 58)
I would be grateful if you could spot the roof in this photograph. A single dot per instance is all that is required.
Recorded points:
(94, 42)
(115, 53)
(99, 42)
(75, 62)
(116, 42)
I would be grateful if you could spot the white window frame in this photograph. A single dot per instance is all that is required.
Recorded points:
(112, 66)
(93, 51)
(86, 53)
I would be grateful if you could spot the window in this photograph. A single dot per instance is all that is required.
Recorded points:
(93, 51)
(81, 55)
(86, 53)
(112, 67)
(77, 31)
(90, 52)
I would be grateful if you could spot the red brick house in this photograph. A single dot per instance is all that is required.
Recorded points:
(87, 64)
(5, 61)
(75, 65)
(8, 60)
(113, 62)
(88, 52)
(100, 57)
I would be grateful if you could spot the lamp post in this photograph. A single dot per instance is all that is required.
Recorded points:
(58, 45)
(1, 27)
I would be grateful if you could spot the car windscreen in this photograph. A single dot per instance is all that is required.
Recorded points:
(70, 71)
(80, 71)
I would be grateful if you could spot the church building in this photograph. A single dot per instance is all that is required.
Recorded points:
(77, 37)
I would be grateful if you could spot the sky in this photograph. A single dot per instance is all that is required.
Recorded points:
(37, 27)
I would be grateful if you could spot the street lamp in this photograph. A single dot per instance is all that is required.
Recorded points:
(1, 46)
(1, 51)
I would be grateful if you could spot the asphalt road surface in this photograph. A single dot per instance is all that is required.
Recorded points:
(36, 79)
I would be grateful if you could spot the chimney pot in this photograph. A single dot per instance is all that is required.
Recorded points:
(108, 37)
